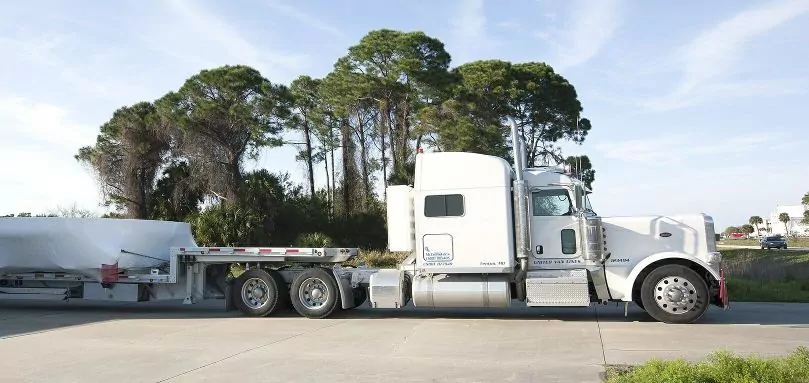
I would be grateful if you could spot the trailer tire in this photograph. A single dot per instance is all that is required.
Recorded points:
(257, 293)
(674, 294)
(314, 293)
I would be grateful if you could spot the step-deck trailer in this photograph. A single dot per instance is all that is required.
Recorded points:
(479, 233)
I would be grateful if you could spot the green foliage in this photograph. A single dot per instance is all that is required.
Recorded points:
(747, 229)
(582, 168)
(719, 368)
(127, 155)
(391, 92)
(314, 240)
(175, 195)
(732, 229)
(227, 225)
(225, 115)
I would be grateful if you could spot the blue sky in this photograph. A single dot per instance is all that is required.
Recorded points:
(695, 108)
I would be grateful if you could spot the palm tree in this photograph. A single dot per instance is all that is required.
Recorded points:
(755, 220)
(784, 217)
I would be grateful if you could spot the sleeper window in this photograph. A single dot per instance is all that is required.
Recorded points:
(450, 205)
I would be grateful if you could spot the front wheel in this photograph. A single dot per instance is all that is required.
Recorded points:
(675, 294)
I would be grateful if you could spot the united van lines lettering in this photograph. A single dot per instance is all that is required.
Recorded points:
(557, 261)
(436, 256)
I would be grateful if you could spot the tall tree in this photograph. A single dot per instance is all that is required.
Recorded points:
(127, 156)
(307, 100)
(784, 218)
(547, 109)
(228, 114)
(755, 221)
(747, 229)
(399, 71)
(544, 105)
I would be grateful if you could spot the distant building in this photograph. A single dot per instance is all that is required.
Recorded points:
(774, 226)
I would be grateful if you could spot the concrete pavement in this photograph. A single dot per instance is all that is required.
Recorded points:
(159, 342)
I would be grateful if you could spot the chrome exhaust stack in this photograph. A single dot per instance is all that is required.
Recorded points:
(522, 226)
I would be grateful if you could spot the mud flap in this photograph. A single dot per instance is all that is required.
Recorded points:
(723, 290)
(230, 304)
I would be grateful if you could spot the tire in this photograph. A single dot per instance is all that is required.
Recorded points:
(681, 283)
(314, 293)
(257, 293)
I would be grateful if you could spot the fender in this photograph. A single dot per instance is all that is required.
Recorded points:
(630, 280)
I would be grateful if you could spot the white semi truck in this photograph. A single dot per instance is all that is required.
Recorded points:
(479, 233)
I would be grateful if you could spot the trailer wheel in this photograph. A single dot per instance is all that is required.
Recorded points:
(674, 294)
(258, 293)
(314, 293)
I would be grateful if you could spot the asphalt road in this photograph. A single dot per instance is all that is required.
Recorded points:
(168, 342)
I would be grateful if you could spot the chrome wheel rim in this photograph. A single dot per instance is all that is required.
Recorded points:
(675, 295)
(255, 293)
(313, 293)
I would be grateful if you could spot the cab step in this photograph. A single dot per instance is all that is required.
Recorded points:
(557, 288)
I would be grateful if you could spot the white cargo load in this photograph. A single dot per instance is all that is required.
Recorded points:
(83, 245)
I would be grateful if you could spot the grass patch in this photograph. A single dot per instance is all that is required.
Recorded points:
(745, 290)
(767, 275)
(720, 367)
(791, 242)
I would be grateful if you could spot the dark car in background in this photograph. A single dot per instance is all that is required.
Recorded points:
(773, 241)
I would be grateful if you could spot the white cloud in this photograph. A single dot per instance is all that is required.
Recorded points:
(469, 32)
(26, 121)
(56, 53)
(679, 148)
(204, 39)
(591, 25)
(305, 18)
(39, 172)
(709, 59)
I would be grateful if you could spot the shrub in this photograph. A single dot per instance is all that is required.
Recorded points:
(313, 240)
(719, 368)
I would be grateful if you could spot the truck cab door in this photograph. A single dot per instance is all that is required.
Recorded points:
(554, 225)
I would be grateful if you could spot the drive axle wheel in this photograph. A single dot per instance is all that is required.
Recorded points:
(674, 294)
(314, 293)
(259, 293)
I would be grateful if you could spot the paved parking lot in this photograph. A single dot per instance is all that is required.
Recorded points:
(160, 342)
